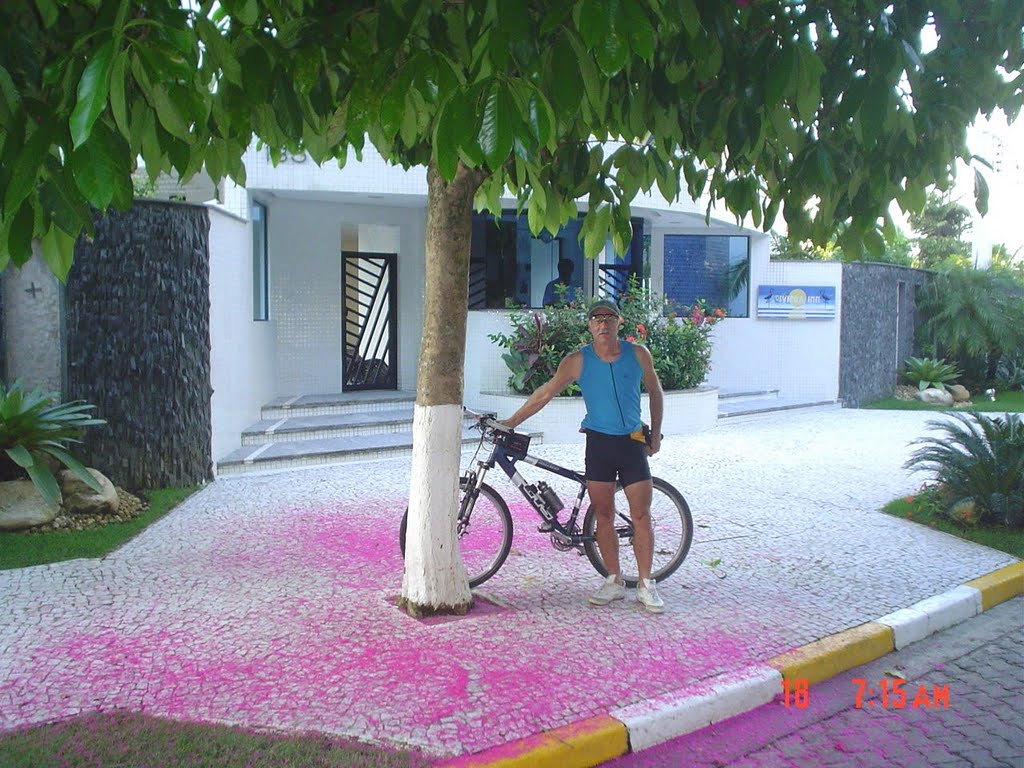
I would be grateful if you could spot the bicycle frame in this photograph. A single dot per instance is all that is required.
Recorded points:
(563, 535)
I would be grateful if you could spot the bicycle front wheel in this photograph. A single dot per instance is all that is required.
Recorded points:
(673, 533)
(484, 535)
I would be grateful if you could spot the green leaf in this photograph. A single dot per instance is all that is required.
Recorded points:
(169, 111)
(58, 249)
(118, 103)
(691, 18)
(594, 21)
(611, 54)
(392, 110)
(980, 193)
(44, 481)
(19, 236)
(10, 98)
(566, 81)
(26, 168)
(92, 93)
(779, 77)
(61, 201)
(48, 12)
(99, 166)
(874, 242)
(638, 30)
(495, 131)
(218, 50)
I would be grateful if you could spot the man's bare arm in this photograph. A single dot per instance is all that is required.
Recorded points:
(655, 394)
(568, 371)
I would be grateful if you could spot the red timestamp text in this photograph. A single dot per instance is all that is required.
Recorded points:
(894, 693)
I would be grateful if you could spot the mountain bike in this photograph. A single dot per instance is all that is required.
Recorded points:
(484, 523)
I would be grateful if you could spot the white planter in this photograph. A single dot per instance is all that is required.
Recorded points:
(687, 411)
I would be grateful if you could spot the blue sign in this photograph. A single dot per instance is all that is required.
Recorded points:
(796, 302)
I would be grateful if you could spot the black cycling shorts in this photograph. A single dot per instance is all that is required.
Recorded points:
(616, 457)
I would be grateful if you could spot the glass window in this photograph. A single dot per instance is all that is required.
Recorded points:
(510, 267)
(715, 268)
(260, 263)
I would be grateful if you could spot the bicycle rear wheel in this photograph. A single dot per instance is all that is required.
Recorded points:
(484, 535)
(673, 533)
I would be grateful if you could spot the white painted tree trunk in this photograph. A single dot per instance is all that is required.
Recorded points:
(435, 580)
(434, 575)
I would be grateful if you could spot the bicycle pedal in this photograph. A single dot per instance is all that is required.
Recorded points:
(546, 527)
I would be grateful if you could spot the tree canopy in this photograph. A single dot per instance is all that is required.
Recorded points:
(823, 111)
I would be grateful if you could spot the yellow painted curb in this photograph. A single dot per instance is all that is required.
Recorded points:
(999, 586)
(577, 745)
(826, 658)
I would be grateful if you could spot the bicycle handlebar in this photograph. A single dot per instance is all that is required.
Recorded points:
(486, 421)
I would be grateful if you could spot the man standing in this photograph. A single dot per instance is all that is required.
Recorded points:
(609, 371)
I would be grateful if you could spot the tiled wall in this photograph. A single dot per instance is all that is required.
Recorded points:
(242, 350)
(305, 287)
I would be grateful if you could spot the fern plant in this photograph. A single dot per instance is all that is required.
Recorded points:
(927, 372)
(34, 426)
(980, 458)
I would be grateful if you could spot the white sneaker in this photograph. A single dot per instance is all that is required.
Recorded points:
(647, 593)
(612, 589)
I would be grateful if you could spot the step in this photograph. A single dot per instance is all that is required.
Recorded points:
(767, 405)
(328, 425)
(336, 404)
(329, 450)
(738, 395)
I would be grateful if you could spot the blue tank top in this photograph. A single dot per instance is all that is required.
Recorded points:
(611, 391)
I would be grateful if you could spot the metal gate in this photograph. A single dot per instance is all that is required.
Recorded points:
(369, 307)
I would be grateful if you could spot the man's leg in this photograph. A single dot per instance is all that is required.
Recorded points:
(639, 496)
(602, 499)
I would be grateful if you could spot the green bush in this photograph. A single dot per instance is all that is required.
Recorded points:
(972, 317)
(928, 372)
(33, 427)
(679, 344)
(978, 459)
(1010, 371)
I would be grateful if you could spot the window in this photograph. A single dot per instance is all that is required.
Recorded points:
(508, 266)
(260, 265)
(715, 268)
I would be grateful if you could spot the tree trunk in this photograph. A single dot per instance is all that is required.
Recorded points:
(434, 580)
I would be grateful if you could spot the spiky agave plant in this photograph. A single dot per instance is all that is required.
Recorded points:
(981, 458)
(34, 425)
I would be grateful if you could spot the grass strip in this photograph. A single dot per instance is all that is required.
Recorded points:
(1003, 538)
(21, 549)
(124, 738)
(1005, 402)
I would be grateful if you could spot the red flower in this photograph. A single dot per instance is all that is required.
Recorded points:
(909, 499)
(642, 330)
(631, 338)
(719, 312)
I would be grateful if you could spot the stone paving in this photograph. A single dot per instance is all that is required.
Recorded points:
(269, 600)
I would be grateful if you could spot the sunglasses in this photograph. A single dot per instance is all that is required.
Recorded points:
(604, 318)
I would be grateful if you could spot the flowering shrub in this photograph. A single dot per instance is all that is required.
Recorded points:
(679, 343)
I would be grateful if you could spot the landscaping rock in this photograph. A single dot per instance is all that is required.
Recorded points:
(80, 499)
(935, 396)
(959, 393)
(21, 506)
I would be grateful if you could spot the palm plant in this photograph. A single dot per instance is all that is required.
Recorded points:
(34, 426)
(979, 458)
(928, 372)
(973, 316)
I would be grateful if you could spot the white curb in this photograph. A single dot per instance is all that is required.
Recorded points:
(680, 712)
(932, 615)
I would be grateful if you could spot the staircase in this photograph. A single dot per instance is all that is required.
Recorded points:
(326, 429)
(733, 403)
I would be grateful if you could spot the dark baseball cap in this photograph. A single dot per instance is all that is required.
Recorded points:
(603, 304)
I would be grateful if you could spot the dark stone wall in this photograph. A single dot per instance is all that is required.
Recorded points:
(138, 344)
(879, 316)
